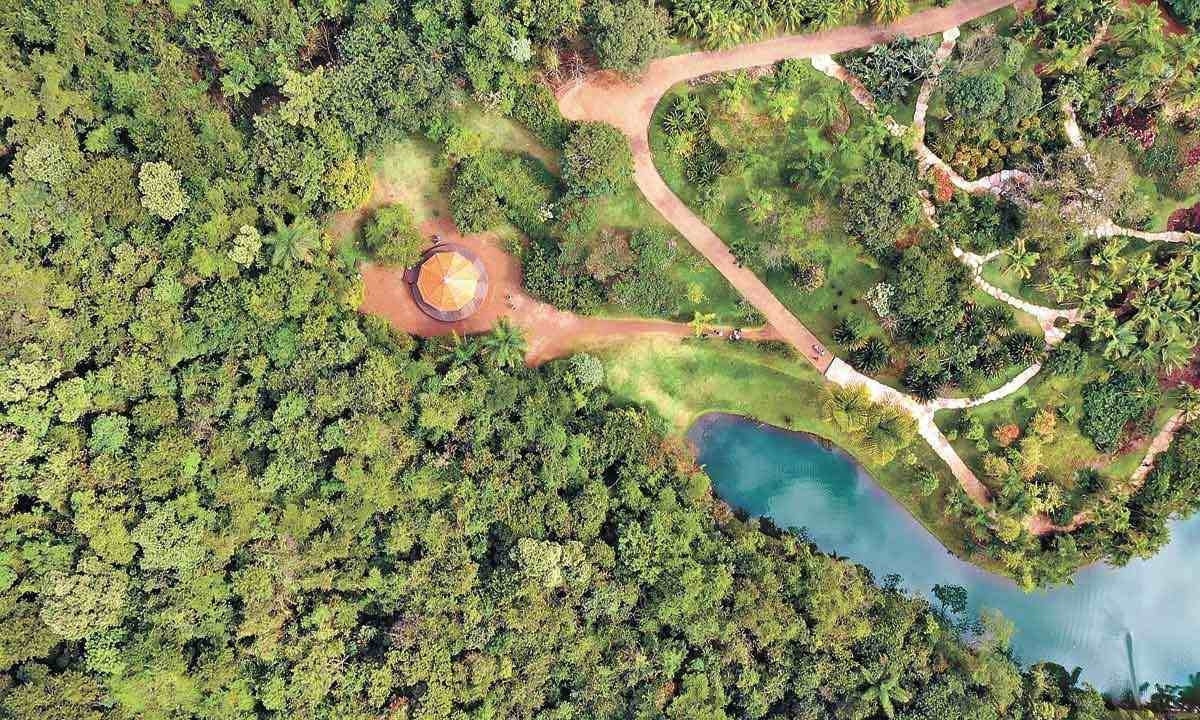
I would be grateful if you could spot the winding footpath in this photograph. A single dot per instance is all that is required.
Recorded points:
(629, 105)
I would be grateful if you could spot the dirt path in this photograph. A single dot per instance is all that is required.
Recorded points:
(550, 333)
(629, 106)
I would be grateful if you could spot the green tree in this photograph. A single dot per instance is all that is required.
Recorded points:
(505, 345)
(162, 193)
(626, 35)
(293, 242)
(596, 161)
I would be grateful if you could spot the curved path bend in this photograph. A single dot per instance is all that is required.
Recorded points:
(629, 106)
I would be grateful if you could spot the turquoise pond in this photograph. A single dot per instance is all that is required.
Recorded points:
(1123, 626)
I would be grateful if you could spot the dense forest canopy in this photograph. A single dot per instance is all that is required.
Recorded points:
(226, 494)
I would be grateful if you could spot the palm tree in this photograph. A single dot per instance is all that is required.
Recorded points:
(890, 430)
(1141, 270)
(847, 407)
(1063, 283)
(505, 345)
(1141, 25)
(884, 690)
(1110, 256)
(295, 242)
(886, 11)
(824, 105)
(1189, 401)
(1023, 260)
(1121, 342)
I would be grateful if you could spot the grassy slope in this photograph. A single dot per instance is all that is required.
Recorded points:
(681, 382)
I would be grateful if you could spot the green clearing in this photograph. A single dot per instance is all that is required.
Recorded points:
(414, 172)
(849, 274)
(682, 381)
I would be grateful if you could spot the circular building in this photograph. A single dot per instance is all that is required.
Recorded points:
(450, 283)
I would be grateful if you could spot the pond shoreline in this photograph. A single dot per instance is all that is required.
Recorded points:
(1110, 622)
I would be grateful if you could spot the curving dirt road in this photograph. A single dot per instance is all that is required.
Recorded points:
(629, 105)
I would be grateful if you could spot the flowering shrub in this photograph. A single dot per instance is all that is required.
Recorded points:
(1137, 124)
(879, 299)
(1185, 219)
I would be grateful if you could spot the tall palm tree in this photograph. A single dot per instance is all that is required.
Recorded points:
(295, 242)
(1023, 260)
(1064, 283)
(505, 344)
(1121, 342)
(888, 431)
(1141, 270)
(885, 690)
(847, 407)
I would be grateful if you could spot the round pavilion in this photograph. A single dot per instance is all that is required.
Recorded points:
(450, 283)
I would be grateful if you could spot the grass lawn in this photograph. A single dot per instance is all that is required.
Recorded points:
(412, 172)
(682, 381)
(849, 273)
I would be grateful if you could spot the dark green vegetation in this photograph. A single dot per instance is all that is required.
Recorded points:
(824, 204)
(224, 494)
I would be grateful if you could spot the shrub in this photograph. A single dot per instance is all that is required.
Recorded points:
(1108, 406)
(596, 161)
(473, 199)
(392, 237)
(554, 282)
(162, 193)
(536, 109)
(1007, 434)
(1067, 358)
(975, 97)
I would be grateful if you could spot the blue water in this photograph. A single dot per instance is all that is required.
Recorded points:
(1142, 620)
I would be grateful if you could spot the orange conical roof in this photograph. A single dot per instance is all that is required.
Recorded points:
(451, 283)
(448, 281)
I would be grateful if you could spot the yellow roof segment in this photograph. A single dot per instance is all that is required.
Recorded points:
(448, 281)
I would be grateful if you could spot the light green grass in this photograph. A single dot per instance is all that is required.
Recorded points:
(682, 381)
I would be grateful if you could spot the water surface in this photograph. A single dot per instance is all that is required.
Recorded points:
(1115, 623)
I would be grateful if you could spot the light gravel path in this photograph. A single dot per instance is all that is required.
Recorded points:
(629, 105)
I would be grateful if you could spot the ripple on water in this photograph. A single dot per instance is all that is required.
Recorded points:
(1111, 622)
